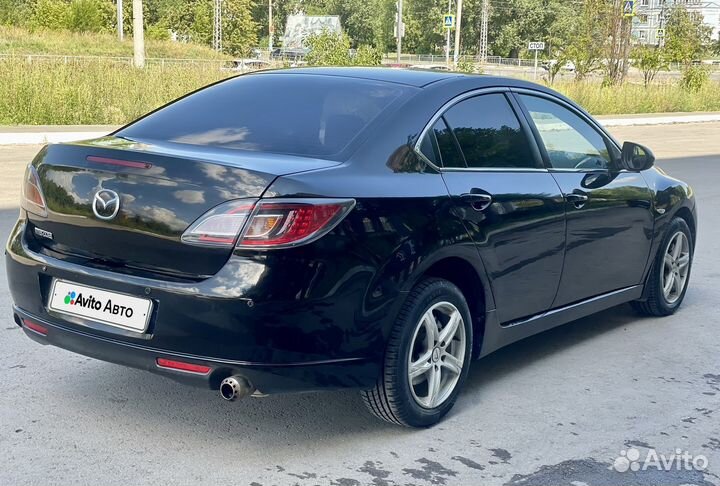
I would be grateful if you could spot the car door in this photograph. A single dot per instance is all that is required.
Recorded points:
(609, 211)
(510, 204)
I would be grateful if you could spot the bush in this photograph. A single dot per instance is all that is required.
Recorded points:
(465, 66)
(91, 16)
(158, 32)
(367, 56)
(333, 49)
(694, 78)
(50, 14)
(328, 49)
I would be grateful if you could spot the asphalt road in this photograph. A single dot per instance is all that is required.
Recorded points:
(555, 409)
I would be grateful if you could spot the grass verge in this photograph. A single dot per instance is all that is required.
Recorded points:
(635, 98)
(17, 41)
(89, 93)
(107, 92)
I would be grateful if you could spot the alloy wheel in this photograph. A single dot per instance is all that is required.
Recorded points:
(437, 354)
(676, 266)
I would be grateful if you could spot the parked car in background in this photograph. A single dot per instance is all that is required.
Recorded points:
(327, 228)
(243, 65)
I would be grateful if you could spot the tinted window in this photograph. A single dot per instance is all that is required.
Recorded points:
(449, 152)
(282, 113)
(429, 148)
(489, 133)
(569, 140)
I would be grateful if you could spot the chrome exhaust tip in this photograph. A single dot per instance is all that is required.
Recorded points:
(235, 388)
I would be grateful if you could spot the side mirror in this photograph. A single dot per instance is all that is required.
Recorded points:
(636, 156)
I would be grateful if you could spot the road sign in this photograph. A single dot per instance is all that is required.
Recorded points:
(629, 8)
(402, 30)
(449, 21)
(660, 33)
(536, 46)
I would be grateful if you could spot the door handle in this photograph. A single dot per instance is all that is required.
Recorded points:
(578, 198)
(479, 202)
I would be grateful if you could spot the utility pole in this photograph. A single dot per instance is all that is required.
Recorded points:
(120, 27)
(270, 28)
(484, 31)
(457, 33)
(447, 42)
(138, 34)
(399, 30)
(217, 26)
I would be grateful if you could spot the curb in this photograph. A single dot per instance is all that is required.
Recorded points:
(658, 120)
(18, 136)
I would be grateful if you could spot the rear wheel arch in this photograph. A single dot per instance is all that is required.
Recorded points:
(466, 277)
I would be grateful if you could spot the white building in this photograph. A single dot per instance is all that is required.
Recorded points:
(650, 16)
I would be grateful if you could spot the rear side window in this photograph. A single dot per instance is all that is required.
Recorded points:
(450, 154)
(280, 113)
(489, 133)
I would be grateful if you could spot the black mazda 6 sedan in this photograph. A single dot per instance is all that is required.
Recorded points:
(371, 228)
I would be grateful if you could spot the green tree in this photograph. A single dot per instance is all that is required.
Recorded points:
(686, 36)
(514, 24)
(15, 12)
(650, 60)
(424, 33)
(618, 43)
(239, 28)
(587, 39)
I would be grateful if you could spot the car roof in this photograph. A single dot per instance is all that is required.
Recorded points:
(412, 77)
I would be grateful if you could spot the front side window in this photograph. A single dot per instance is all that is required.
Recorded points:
(570, 142)
(489, 133)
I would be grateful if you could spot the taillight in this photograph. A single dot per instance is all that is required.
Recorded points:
(267, 223)
(33, 199)
(286, 223)
(220, 226)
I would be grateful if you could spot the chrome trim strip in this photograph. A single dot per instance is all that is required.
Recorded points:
(559, 310)
(441, 111)
(493, 169)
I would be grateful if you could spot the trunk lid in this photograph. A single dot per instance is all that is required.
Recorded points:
(162, 189)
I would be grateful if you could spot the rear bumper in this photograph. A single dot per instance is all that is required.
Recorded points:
(317, 341)
(267, 378)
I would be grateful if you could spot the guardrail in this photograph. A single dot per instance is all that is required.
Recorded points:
(441, 59)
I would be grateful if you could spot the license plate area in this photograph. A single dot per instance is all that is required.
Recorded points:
(99, 305)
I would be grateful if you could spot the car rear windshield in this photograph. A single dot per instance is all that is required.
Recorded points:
(296, 114)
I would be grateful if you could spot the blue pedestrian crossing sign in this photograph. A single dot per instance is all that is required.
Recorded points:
(628, 8)
(449, 21)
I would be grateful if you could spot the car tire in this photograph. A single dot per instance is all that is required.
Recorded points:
(425, 399)
(668, 268)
